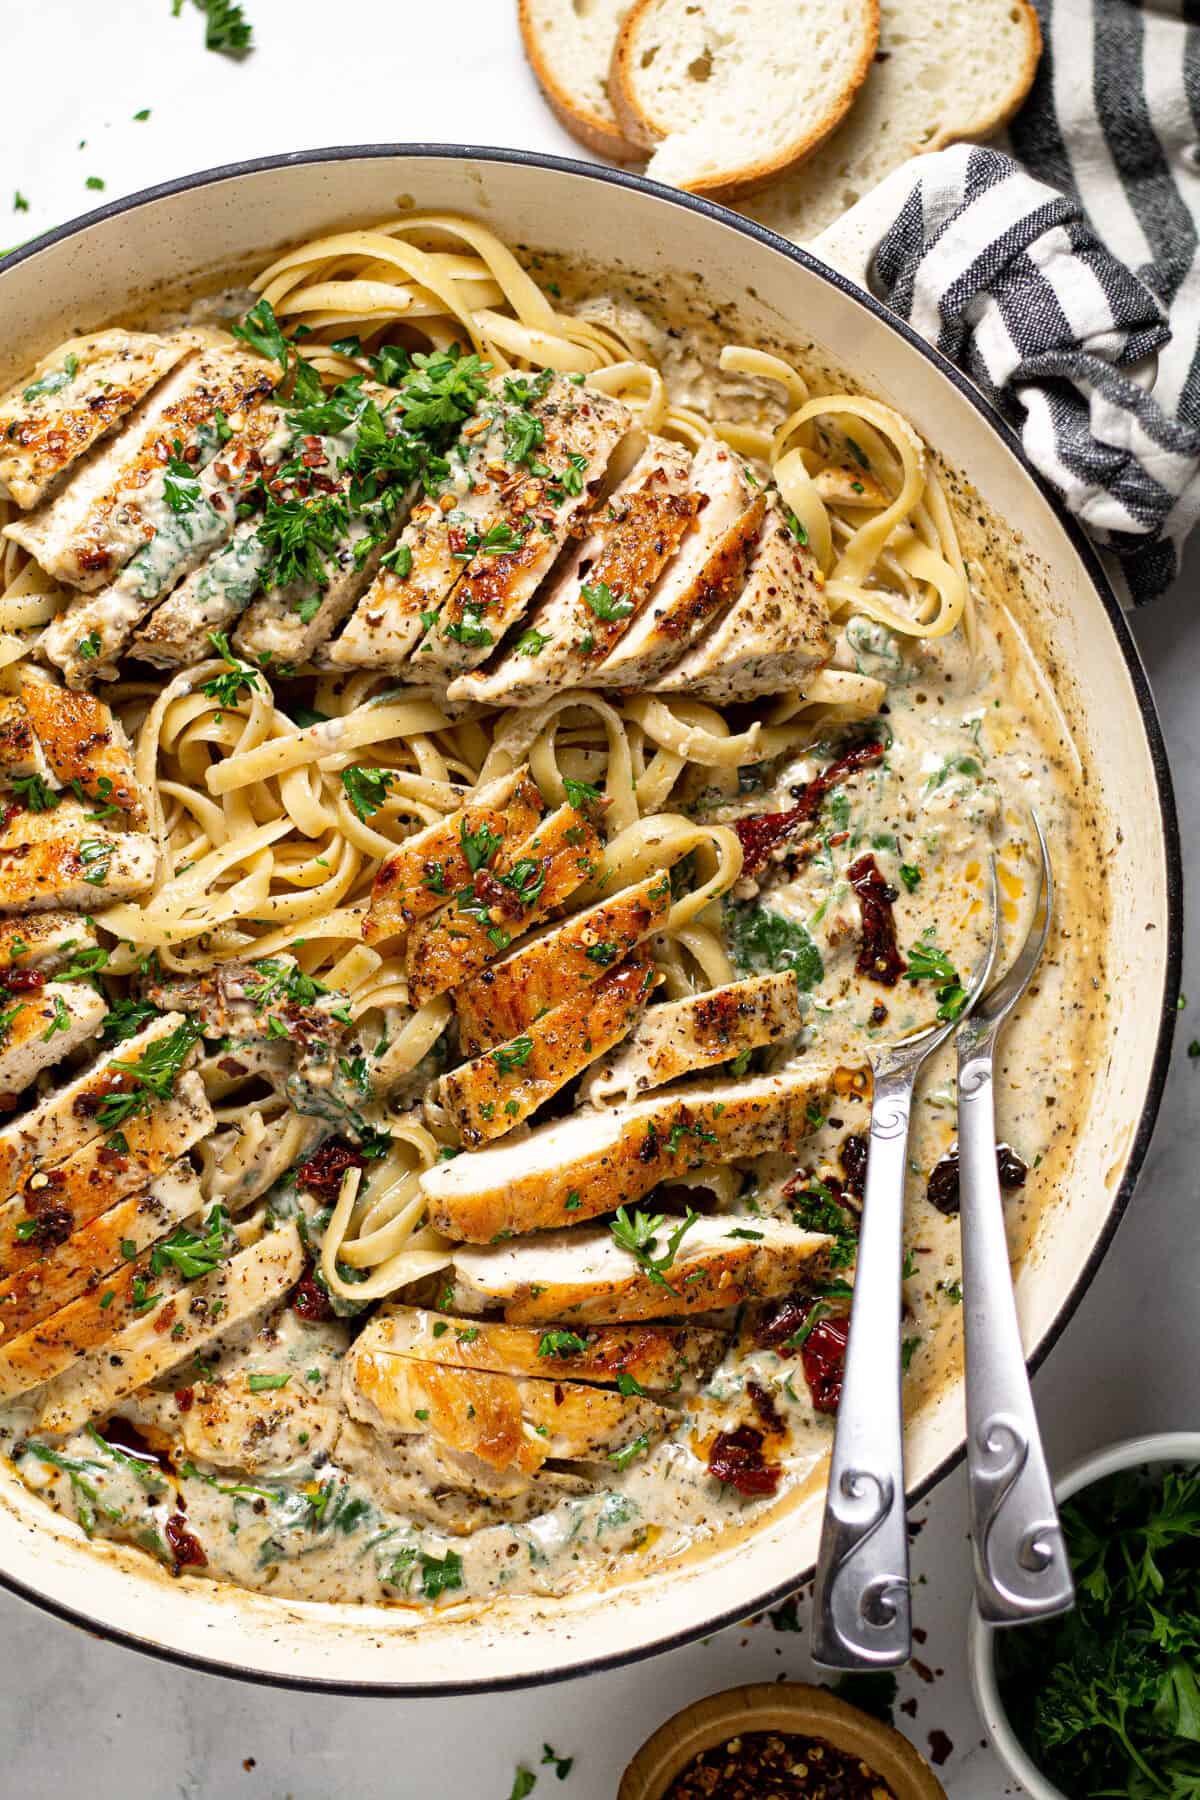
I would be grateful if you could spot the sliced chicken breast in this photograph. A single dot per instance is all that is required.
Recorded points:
(660, 1358)
(68, 1266)
(459, 1494)
(48, 941)
(74, 397)
(208, 600)
(487, 1097)
(504, 998)
(21, 756)
(482, 511)
(585, 1277)
(415, 880)
(588, 606)
(591, 1163)
(61, 859)
(700, 581)
(85, 743)
(66, 1120)
(149, 1344)
(119, 498)
(680, 1037)
(41, 1026)
(198, 517)
(538, 513)
(504, 1420)
(62, 1199)
(274, 1431)
(482, 920)
(773, 636)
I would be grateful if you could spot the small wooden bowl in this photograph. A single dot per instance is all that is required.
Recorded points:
(786, 1707)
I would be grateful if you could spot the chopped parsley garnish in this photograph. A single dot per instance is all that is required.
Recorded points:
(153, 1076)
(816, 1209)
(193, 1254)
(34, 793)
(604, 954)
(469, 630)
(621, 1459)
(227, 688)
(181, 490)
(637, 1233)
(266, 1384)
(927, 963)
(561, 1343)
(580, 794)
(562, 1765)
(600, 598)
(89, 646)
(20, 203)
(762, 940)
(126, 1017)
(60, 1019)
(366, 788)
(531, 642)
(480, 846)
(399, 561)
(512, 1056)
(9, 1017)
(910, 876)
(439, 1575)
(80, 1472)
(95, 856)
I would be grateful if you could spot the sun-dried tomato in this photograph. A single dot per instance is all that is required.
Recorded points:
(852, 1154)
(322, 1173)
(24, 981)
(782, 1321)
(824, 1361)
(309, 1300)
(765, 1407)
(879, 957)
(185, 1548)
(942, 1188)
(763, 832)
(737, 1461)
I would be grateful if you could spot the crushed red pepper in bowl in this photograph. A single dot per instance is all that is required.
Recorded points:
(776, 1765)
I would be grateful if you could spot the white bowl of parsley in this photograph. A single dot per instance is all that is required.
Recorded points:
(1106, 1700)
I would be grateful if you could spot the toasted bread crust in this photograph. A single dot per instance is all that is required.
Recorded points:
(588, 127)
(640, 128)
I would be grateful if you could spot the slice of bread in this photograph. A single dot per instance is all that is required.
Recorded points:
(957, 70)
(730, 94)
(569, 44)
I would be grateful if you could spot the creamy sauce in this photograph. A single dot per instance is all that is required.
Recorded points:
(972, 745)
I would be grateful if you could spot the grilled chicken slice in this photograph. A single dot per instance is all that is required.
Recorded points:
(179, 630)
(683, 1036)
(66, 1120)
(275, 1431)
(66, 1266)
(663, 1359)
(47, 941)
(501, 1001)
(534, 517)
(120, 497)
(700, 581)
(415, 880)
(479, 504)
(62, 1199)
(149, 1345)
(42, 1025)
(21, 756)
(851, 485)
(460, 1494)
(773, 636)
(482, 920)
(587, 608)
(488, 1097)
(62, 859)
(199, 517)
(505, 1420)
(585, 1277)
(74, 397)
(591, 1163)
(83, 742)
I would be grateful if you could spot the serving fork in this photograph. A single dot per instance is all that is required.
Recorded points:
(862, 1616)
(1021, 1566)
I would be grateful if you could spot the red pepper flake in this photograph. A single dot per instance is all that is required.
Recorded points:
(879, 958)
(185, 1548)
(164, 1316)
(185, 1398)
(309, 1300)
(322, 1173)
(736, 1460)
(52, 1225)
(823, 1357)
(764, 832)
(777, 1765)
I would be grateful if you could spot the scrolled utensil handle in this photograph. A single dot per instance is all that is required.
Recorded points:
(862, 1602)
(1022, 1570)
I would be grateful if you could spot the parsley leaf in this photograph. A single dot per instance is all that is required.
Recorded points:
(366, 788)
(600, 599)
(637, 1233)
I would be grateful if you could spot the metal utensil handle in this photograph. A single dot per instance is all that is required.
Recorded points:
(861, 1602)
(1021, 1566)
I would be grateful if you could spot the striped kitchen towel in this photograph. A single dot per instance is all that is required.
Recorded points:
(1075, 306)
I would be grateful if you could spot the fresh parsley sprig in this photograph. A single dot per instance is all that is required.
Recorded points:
(638, 1231)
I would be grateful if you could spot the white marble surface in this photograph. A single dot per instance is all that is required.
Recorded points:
(80, 1716)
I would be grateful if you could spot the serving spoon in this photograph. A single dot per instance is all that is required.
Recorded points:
(1021, 1566)
(862, 1614)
